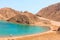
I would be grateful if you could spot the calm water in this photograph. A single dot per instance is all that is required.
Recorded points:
(8, 29)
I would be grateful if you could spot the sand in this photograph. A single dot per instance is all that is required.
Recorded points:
(48, 35)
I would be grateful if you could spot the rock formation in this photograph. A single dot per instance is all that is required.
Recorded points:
(51, 12)
(25, 18)
(7, 13)
(12, 15)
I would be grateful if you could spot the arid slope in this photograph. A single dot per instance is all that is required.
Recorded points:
(12, 15)
(25, 18)
(51, 12)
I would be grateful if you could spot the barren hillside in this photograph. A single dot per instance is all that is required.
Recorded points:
(51, 12)
(12, 15)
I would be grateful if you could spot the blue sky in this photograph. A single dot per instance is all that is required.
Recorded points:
(29, 5)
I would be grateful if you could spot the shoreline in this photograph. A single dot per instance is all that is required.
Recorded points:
(44, 35)
(21, 37)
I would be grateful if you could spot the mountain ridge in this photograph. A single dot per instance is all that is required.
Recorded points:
(51, 12)
(12, 15)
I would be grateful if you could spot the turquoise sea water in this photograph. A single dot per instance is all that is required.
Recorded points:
(13, 29)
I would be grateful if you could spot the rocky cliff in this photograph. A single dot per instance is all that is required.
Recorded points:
(51, 12)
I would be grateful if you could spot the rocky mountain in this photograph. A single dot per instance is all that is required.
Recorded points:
(7, 13)
(12, 15)
(25, 18)
(51, 12)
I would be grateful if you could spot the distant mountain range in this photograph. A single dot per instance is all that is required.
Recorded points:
(51, 12)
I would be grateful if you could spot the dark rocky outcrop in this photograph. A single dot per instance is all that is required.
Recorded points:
(19, 19)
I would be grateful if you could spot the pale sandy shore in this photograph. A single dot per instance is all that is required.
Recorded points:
(48, 35)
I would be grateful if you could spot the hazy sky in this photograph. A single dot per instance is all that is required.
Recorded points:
(31, 5)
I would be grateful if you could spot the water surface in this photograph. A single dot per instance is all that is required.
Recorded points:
(13, 29)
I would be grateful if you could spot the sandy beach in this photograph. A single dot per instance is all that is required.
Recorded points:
(48, 35)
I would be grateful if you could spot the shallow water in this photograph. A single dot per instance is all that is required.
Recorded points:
(13, 29)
